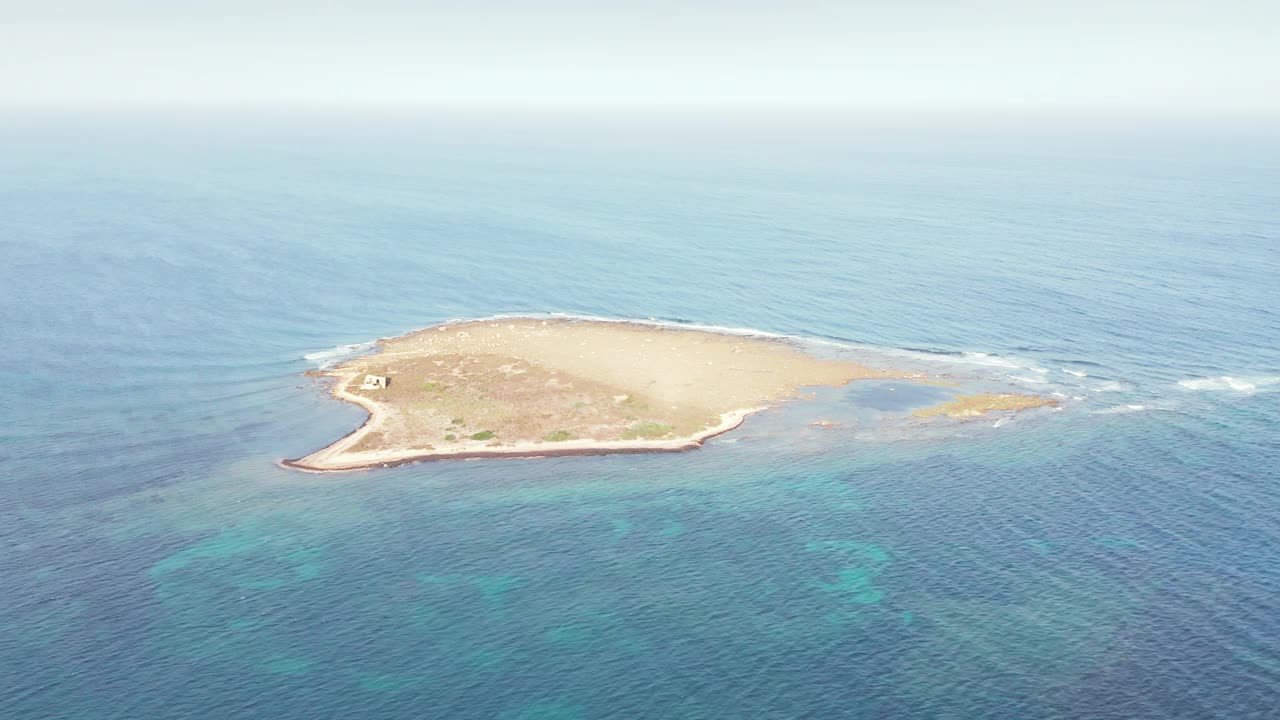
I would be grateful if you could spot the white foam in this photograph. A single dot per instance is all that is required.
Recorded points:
(654, 322)
(1233, 384)
(1077, 373)
(334, 355)
(1111, 387)
(1120, 410)
(981, 358)
(1000, 361)
(1031, 380)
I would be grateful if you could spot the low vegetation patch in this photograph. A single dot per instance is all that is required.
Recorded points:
(557, 436)
(483, 435)
(646, 431)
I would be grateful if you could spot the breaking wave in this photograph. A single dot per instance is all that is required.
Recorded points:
(324, 359)
(992, 360)
(1120, 410)
(657, 322)
(1233, 384)
(1029, 380)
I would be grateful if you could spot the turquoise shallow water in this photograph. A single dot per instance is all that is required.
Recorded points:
(165, 284)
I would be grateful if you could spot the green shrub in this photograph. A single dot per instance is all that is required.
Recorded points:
(557, 436)
(646, 430)
(482, 435)
(450, 437)
(456, 421)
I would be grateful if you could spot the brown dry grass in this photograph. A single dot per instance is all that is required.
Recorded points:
(464, 395)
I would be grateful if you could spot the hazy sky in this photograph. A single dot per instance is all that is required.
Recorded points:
(1171, 56)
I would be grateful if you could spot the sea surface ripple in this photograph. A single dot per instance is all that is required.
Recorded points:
(165, 286)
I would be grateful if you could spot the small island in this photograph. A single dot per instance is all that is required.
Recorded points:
(541, 387)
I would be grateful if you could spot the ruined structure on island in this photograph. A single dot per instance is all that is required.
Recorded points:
(374, 382)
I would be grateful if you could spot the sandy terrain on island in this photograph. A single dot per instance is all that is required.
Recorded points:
(529, 387)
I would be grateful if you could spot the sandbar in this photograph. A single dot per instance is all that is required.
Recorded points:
(968, 406)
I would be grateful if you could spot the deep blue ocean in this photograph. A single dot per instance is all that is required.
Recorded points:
(166, 281)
